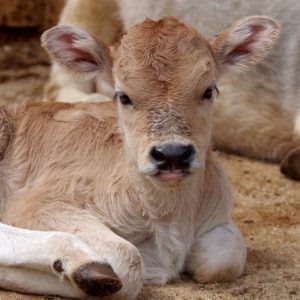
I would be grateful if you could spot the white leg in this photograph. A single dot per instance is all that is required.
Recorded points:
(40, 250)
(62, 254)
(36, 282)
(218, 255)
(66, 87)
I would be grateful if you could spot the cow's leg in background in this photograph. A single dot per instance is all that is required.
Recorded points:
(249, 121)
(291, 163)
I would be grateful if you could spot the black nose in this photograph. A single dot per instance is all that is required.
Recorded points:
(172, 156)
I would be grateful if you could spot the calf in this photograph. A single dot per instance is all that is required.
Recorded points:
(258, 113)
(114, 195)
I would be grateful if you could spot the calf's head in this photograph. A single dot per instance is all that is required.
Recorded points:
(165, 76)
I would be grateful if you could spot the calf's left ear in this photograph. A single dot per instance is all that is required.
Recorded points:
(246, 42)
(76, 50)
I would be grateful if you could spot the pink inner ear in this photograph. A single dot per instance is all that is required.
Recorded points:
(73, 54)
(244, 48)
(84, 57)
(66, 38)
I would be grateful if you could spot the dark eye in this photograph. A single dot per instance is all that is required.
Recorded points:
(208, 94)
(123, 98)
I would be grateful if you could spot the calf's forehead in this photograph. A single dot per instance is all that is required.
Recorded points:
(163, 55)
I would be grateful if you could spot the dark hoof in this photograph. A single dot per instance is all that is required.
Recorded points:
(97, 279)
(290, 166)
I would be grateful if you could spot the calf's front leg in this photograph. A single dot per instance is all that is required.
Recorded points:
(48, 262)
(218, 255)
(122, 256)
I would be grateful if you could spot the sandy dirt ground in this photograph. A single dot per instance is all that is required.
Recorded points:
(267, 205)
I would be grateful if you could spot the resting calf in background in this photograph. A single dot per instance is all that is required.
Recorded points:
(136, 181)
(258, 112)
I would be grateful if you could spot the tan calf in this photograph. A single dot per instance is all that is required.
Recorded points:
(134, 184)
(257, 113)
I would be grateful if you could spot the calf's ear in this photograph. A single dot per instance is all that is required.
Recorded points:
(76, 50)
(246, 42)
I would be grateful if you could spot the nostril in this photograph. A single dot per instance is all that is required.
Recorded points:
(172, 156)
(157, 154)
(188, 153)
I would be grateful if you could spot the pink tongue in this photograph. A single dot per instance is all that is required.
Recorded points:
(170, 176)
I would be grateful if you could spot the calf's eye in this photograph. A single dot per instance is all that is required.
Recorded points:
(208, 94)
(123, 98)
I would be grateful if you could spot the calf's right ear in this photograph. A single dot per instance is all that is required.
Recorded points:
(76, 50)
